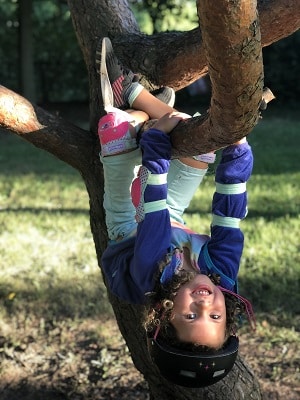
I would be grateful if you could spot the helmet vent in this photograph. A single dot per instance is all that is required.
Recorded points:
(189, 374)
(218, 373)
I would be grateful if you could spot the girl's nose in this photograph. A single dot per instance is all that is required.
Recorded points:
(203, 303)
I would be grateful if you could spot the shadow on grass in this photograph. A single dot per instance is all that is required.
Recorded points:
(40, 210)
(19, 157)
(272, 215)
(269, 216)
(59, 302)
(276, 298)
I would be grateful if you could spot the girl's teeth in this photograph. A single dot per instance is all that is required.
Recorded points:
(205, 292)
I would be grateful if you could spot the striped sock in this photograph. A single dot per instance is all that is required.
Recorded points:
(117, 89)
(125, 97)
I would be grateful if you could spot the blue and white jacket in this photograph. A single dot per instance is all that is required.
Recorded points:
(130, 266)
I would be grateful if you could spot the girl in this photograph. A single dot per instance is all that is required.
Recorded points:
(187, 281)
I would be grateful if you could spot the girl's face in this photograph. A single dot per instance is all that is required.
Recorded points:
(199, 313)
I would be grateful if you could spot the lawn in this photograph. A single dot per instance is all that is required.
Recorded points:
(58, 337)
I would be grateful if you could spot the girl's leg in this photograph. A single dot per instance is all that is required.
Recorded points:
(119, 156)
(184, 177)
(185, 174)
(151, 105)
(119, 85)
(119, 210)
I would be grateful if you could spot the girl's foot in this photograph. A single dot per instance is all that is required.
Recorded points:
(116, 134)
(120, 85)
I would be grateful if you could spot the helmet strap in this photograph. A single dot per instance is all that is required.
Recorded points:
(247, 304)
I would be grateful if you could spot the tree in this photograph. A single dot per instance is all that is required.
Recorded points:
(227, 45)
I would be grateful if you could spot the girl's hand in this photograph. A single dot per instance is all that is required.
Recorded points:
(168, 122)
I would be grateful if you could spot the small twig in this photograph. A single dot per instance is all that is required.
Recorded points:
(267, 96)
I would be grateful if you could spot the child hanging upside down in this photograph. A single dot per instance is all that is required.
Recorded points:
(186, 280)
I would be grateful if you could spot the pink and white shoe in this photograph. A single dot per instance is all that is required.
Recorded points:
(114, 133)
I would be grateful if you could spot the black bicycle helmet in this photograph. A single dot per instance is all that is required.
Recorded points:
(185, 368)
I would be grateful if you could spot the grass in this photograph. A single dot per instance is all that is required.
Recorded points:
(46, 247)
(49, 271)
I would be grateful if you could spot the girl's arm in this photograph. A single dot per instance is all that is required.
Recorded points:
(149, 193)
(223, 252)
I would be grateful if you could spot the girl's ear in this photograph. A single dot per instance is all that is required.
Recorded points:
(167, 304)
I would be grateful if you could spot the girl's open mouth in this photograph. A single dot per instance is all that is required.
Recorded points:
(202, 290)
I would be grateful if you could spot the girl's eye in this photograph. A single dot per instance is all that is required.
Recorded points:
(215, 316)
(190, 316)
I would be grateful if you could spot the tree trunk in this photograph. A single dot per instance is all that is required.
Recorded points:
(230, 49)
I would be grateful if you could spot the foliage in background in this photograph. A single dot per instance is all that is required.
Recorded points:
(165, 15)
(9, 44)
(60, 72)
(59, 68)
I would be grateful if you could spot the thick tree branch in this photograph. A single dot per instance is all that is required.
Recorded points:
(185, 137)
(278, 19)
(173, 59)
(236, 73)
(67, 142)
(183, 54)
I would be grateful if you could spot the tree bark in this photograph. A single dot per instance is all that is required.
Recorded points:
(229, 47)
(177, 59)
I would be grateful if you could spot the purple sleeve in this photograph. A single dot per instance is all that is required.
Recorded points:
(154, 232)
(156, 149)
(235, 165)
(151, 246)
(223, 252)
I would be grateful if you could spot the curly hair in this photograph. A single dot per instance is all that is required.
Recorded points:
(160, 305)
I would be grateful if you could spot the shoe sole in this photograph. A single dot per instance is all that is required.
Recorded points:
(107, 93)
(172, 99)
(106, 89)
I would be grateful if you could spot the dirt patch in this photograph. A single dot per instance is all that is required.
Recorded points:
(277, 366)
(89, 360)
